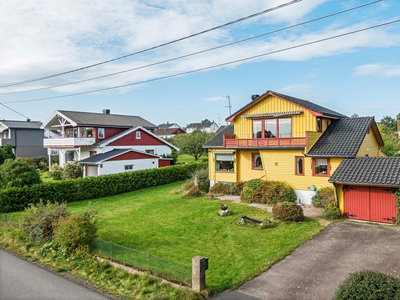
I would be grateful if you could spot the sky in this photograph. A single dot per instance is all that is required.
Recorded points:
(353, 74)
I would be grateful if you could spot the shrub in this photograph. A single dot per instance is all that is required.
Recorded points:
(28, 160)
(332, 211)
(267, 192)
(201, 176)
(37, 221)
(73, 170)
(323, 196)
(14, 199)
(369, 285)
(42, 162)
(236, 188)
(76, 230)
(56, 172)
(195, 192)
(18, 173)
(219, 188)
(6, 153)
(287, 211)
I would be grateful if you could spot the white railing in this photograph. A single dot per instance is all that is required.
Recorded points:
(69, 142)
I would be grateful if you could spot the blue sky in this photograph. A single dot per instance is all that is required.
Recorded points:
(358, 74)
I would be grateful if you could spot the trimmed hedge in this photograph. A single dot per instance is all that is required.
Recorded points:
(14, 199)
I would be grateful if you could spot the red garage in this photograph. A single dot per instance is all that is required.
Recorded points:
(365, 188)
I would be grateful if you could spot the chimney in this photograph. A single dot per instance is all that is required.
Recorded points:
(398, 125)
(106, 111)
(28, 120)
(254, 97)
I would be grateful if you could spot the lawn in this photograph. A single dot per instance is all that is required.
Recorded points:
(45, 176)
(178, 228)
(185, 158)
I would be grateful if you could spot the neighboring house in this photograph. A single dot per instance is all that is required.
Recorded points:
(105, 143)
(208, 127)
(168, 125)
(25, 137)
(279, 137)
(168, 132)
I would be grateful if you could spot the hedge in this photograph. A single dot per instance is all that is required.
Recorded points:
(14, 199)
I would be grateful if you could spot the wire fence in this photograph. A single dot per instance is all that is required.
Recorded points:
(159, 266)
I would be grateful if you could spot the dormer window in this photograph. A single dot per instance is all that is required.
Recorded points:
(319, 124)
(272, 128)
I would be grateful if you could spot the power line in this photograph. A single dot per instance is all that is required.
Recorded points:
(210, 67)
(154, 47)
(14, 110)
(194, 53)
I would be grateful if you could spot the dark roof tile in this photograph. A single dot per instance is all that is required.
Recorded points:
(21, 124)
(218, 140)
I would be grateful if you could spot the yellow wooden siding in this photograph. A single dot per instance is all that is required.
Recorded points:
(221, 176)
(280, 165)
(369, 145)
(312, 137)
(300, 123)
(245, 164)
(339, 189)
(381, 153)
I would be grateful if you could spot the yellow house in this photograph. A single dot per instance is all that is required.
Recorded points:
(279, 137)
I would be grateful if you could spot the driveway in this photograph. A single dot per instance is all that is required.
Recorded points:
(318, 267)
(20, 279)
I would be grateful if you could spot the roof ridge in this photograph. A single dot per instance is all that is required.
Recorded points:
(85, 112)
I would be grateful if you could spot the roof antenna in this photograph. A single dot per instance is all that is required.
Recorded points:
(230, 106)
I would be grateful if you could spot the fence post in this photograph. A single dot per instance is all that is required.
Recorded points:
(111, 249)
(198, 273)
(149, 262)
(6, 218)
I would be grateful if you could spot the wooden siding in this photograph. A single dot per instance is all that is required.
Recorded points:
(131, 155)
(312, 138)
(245, 166)
(369, 145)
(130, 139)
(163, 163)
(300, 123)
(221, 176)
(109, 132)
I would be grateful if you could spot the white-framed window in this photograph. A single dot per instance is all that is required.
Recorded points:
(128, 167)
(86, 132)
(150, 151)
(138, 135)
(224, 163)
(101, 165)
(100, 133)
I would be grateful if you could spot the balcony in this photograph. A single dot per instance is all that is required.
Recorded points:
(231, 141)
(4, 142)
(68, 142)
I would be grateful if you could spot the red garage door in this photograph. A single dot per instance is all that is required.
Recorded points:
(369, 203)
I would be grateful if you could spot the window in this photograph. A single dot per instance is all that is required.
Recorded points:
(321, 167)
(224, 163)
(100, 133)
(69, 156)
(149, 151)
(75, 132)
(92, 153)
(272, 128)
(257, 163)
(299, 165)
(138, 135)
(69, 132)
(83, 132)
(128, 167)
(319, 124)
(89, 132)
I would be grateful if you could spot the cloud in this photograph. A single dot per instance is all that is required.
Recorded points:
(378, 69)
(212, 99)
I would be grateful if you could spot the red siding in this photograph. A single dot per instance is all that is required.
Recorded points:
(375, 204)
(130, 139)
(163, 163)
(131, 155)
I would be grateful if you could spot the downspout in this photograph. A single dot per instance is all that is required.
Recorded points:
(336, 195)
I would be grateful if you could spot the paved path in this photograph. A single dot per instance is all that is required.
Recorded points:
(318, 267)
(20, 279)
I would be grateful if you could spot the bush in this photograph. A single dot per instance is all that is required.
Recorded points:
(14, 199)
(42, 162)
(28, 160)
(219, 188)
(287, 211)
(201, 176)
(37, 221)
(73, 170)
(236, 188)
(76, 230)
(267, 192)
(6, 153)
(332, 211)
(18, 173)
(195, 192)
(369, 285)
(56, 172)
(323, 197)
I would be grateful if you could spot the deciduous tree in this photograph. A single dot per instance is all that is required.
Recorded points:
(192, 143)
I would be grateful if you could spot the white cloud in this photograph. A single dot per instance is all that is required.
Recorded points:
(213, 99)
(378, 69)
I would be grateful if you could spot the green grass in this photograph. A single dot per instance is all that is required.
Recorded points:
(185, 158)
(45, 177)
(179, 228)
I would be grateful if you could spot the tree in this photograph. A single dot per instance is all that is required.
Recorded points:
(390, 124)
(6, 153)
(206, 121)
(192, 143)
(18, 173)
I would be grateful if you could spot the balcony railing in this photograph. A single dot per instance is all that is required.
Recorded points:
(230, 141)
(68, 142)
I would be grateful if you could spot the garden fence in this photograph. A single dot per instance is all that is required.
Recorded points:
(161, 267)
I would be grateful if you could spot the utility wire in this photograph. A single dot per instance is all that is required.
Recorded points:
(14, 110)
(154, 47)
(194, 53)
(211, 67)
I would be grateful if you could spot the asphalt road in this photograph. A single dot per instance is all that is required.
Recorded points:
(319, 266)
(20, 279)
